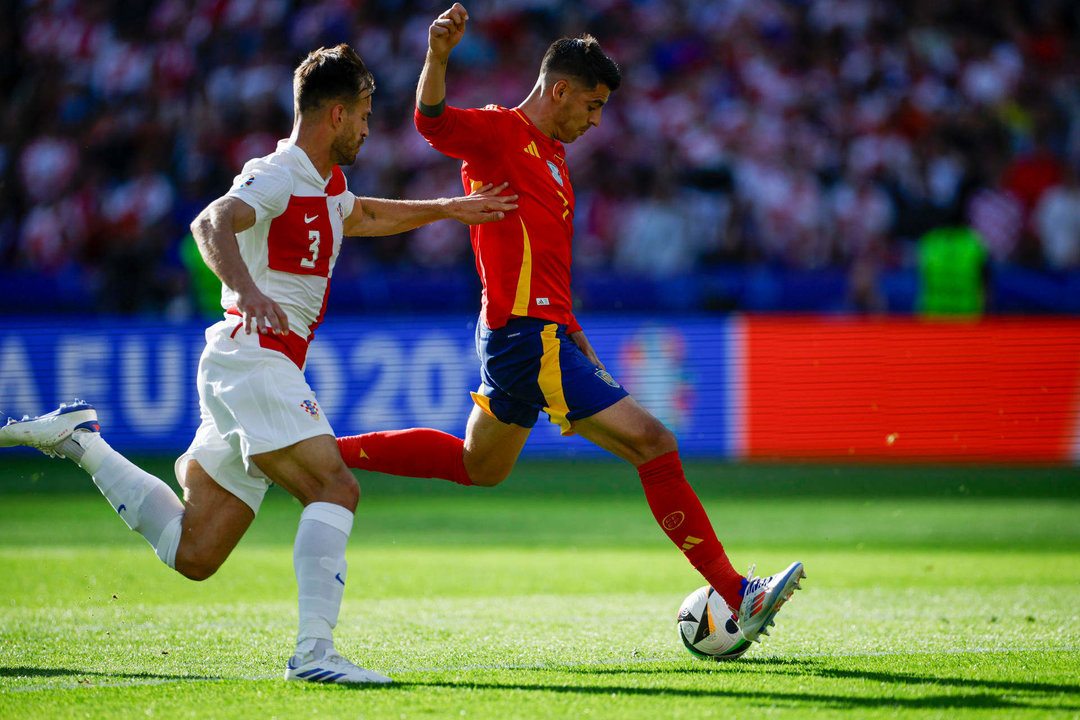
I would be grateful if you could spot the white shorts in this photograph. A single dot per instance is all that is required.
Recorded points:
(251, 400)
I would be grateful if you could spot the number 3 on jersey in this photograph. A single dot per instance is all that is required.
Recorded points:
(295, 238)
(313, 248)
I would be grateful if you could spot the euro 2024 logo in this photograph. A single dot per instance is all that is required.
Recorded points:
(652, 367)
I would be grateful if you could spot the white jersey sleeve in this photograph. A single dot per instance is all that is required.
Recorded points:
(264, 186)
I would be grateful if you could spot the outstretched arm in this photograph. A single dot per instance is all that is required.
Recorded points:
(443, 36)
(375, 216)
(215, 231)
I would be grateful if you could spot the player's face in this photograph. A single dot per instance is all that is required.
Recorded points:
(353, 132)
(580, 110)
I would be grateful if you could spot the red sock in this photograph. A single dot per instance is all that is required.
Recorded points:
(677, 508)
(418, 452)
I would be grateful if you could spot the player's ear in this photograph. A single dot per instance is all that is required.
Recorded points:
(337, 115)
(560, 90)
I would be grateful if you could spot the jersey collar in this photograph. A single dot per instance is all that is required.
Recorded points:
(286, 145)
(540, 134)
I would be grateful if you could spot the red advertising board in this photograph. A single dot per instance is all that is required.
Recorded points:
(910, 390)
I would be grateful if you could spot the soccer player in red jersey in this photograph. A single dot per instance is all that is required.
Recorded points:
(534, 354)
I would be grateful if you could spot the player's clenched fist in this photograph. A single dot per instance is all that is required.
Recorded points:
(447, 30)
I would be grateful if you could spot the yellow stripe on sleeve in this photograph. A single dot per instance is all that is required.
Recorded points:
(550, 380)
(524, 284)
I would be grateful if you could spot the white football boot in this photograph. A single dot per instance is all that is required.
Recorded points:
(47, 432)
(764, 596)
(331, 669)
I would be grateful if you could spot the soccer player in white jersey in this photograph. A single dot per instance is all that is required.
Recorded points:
(273, 239)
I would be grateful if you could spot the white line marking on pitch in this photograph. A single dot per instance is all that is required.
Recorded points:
(539, 666)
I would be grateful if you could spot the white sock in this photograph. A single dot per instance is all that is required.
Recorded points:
(145, 503)
(319, 561)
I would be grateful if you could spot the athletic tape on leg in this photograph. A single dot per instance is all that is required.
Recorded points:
(330, 514)
(169, 541)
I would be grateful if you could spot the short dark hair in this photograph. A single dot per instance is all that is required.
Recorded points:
(581, 57)
(330, 74)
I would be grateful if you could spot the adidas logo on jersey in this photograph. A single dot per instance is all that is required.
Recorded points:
(530, 149)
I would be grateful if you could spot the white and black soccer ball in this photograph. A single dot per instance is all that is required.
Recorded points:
(708, 629)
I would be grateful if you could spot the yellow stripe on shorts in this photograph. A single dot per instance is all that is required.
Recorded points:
(484, 403)
(550, 380)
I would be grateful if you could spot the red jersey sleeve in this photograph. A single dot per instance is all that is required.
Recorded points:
(458, 133)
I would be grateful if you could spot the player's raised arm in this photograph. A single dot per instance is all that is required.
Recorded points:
(452, 131)
(215, 231)
(443, 36)
(377, 216)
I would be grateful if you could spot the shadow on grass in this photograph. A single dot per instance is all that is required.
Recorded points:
(983, 694)
(19, 671)
(909, 679)
(803, 667)
(784, 699)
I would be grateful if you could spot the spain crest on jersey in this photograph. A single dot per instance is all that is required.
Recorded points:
(555, 172)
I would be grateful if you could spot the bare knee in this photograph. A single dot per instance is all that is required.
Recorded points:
(195, 567)
(338, 487)
(485, 473)
(656, 440)
(488, 477)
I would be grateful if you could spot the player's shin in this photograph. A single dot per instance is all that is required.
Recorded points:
(319, 561)
(146, 504)
(677, 509)
(416, 452)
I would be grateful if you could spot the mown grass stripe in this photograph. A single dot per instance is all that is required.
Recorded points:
(551, 666)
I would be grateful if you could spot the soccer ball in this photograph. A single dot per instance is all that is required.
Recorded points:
(708, 629)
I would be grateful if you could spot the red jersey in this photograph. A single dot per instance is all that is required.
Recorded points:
(524, 259)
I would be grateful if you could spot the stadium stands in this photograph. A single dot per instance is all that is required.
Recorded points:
(782, 154)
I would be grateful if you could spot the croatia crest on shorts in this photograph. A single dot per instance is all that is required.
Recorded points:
(312, 408)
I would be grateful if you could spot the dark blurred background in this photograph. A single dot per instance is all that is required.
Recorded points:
(762, 155)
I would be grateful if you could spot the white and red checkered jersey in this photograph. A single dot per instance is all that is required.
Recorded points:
(291, 249)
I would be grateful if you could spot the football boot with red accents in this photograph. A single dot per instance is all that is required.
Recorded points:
(764, 596)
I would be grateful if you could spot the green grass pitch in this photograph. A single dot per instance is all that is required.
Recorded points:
(931, 593)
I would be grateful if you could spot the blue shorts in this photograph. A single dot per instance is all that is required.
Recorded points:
(530, 365)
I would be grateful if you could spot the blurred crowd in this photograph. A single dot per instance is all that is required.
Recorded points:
(800, 134)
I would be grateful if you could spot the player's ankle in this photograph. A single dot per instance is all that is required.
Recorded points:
(314, 649)
(75, 445)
